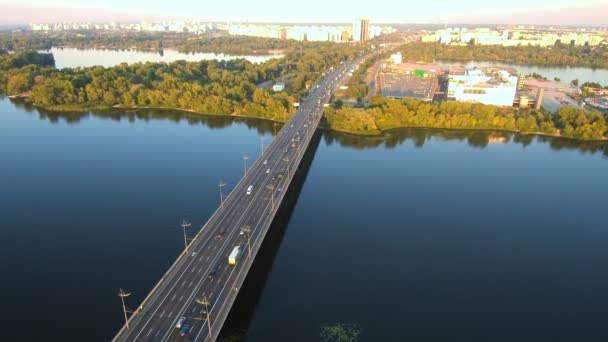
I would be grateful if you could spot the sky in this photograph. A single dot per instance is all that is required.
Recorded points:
(545, 12)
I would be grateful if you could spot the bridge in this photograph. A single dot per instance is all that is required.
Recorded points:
(202, 285)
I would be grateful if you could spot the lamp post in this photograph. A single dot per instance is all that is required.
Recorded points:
(204, 301)
(185, 226)
(245, 157)
(221, 184)
(122, 294)
(247, 230)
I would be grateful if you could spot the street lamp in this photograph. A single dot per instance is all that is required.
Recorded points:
(262, 144)
(247, 230)
(185, 226)
(245, 157)
(204, 301)
(286, 160)
(271, 188)
(221, 184)
(122, 294)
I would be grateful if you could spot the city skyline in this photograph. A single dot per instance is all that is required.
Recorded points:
(539, 12)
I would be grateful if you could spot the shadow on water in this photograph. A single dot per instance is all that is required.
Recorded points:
(479, 139)
(242, 311)
(136, 115)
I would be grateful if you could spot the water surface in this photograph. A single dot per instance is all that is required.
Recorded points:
(422, 235)
(565, 74)
(73, 57)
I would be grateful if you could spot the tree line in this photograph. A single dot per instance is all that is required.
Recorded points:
(147, 41)
(207, 87)
(384, 114)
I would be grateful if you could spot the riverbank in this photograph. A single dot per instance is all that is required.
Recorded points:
(325, 125)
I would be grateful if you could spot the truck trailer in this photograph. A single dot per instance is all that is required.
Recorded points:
(234, 255)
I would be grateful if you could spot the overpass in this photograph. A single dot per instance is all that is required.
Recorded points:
(201, 285)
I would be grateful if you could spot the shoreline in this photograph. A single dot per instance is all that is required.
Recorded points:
(321, 126)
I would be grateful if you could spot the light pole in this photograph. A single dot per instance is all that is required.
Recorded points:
(262, 145)
(204, 301)
(185, 226)
(247, 230)
(286, 160)
(271, 188)
(122, 294)
(221, 184)
(245, 157)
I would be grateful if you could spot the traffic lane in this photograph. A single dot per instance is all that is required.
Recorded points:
(227, 285)
(180, 268)
(157, 322)
(260, 211)
(235, 241)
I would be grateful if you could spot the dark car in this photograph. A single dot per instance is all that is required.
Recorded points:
(212, 274)
(184, 331)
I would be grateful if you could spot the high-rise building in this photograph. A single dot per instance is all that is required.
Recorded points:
(361, 30)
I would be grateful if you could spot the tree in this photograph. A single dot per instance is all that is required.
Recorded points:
(340, 333)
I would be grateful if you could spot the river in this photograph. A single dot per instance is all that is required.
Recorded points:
(420, 235)
(72, 57)
(565, 74)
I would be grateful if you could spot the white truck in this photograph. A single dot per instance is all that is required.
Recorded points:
(234, 255)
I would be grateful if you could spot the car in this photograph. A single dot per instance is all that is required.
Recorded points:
(193, 253)
(185, 330)
(267, 171)
(212, 274)
(249, 190)
(291, 125)
(221, 233)
(180, 322)
(265, 162)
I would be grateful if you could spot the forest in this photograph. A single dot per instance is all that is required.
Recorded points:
(146, 41)
(384, 114)
(206, 87)
(558, 55)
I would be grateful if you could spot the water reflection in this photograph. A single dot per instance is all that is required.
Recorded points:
(390, 140)
(479, 139)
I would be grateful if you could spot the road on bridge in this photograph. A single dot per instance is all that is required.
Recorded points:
(201, 285)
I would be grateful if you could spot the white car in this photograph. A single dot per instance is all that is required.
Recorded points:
(267, 171)
(265, 162)
(180, 322)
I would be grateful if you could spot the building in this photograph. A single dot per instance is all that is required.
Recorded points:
(397, 58)
(278, 87)
(361, 32)
(488, 85)
(412, 80)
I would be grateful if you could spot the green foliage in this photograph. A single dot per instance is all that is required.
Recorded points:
(558, 55)
(208, 87)
(340, 333)
(384, 114)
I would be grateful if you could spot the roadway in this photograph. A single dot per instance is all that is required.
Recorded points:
(203, 271)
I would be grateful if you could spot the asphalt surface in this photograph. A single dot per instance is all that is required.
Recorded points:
(204, 270)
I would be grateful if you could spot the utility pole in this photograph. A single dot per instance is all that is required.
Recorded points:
(221, 184)
(185, 225)
(245, 157)
(247, 230)
(122, 294)
(204, 301)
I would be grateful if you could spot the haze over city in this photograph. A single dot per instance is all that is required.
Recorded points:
(539, 12)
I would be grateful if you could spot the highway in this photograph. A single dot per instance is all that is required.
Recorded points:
(203, 272)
